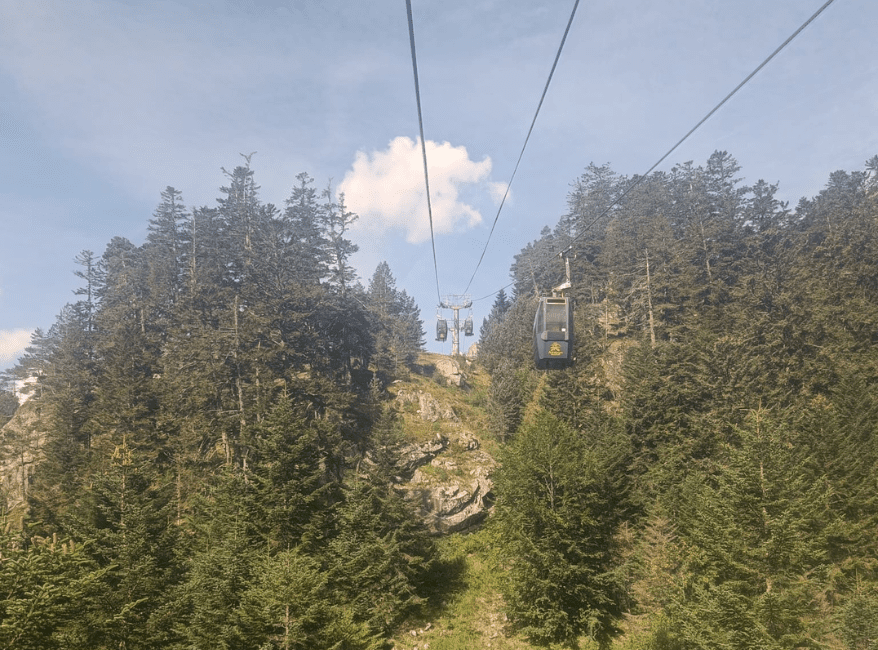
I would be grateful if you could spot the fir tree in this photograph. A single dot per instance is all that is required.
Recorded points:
(379, 557)
(399, 333)
(557, 523)
(164, 253)
(755, 528)
(42, 587)
(123, 522)
(290, 606)
(495, 317)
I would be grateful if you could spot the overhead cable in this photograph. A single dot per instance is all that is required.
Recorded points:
(643, 177)
(529, 131)
(408, 5)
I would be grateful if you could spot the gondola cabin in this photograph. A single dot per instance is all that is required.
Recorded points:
(553, 333)
(441, 329)
(468, 326)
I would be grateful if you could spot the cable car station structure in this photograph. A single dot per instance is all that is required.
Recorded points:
(455, 303)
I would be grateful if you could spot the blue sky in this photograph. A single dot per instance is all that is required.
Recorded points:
(105, 103)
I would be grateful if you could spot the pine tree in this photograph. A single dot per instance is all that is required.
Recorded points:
(240, 211)
(8, 406)
(42, 587)
(513, 337)
(290, 606)
(65, 395)
(589, 202)
(399, 333)
(380, 555)
(308, 257)
(289, 467)
(164, 253)
(755, 529)
(408, 329)
(336, 221)
(123, 522)
(505, 400)
(92, 273)
(555, 517)
(495, 317)
(222, 566)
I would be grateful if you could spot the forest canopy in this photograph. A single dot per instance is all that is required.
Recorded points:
(725, 380)
(210, 444)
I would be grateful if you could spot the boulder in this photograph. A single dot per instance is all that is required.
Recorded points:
(453, 507)
(450, 369)
(429, 407)
(411, 457)
(456, 504)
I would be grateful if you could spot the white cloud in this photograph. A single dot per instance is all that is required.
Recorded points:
(497, 191)
(12, 345)
(386, 188)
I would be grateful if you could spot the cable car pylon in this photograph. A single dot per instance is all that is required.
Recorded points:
(455, 303)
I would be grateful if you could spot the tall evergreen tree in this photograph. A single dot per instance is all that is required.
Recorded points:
(557, 525)
(399, 333)
(65, 395)
(380, 555)
(758, 533)
(124, 523)
(498, 311)
(43, 587)
(92, 274)
(289, 467)
(223, 562)
(8, 406)
(290, 607)
(336, 221)
(308, 258)
(164, 253)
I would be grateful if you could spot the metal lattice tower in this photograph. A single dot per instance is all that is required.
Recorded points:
(455, 303)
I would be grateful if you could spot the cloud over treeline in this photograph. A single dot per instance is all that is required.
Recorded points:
(12, 345)
(386, 188)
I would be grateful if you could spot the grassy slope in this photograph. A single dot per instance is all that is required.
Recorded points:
(466, 611)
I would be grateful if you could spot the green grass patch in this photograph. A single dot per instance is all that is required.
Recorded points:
(470, 614)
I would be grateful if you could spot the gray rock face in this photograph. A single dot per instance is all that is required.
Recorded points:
(429, 407)
(450, 369)
(447, 479)
(411, 457)
(454, 506)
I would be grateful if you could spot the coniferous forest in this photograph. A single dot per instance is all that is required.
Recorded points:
(208, 455)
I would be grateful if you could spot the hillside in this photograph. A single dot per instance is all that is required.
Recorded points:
(447, 456)
(231, 443)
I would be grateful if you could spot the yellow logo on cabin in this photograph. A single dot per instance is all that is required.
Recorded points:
(555, 350)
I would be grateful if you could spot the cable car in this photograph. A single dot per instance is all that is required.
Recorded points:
(553, 333)
(553, 326)
(468, 326)
(441, 329)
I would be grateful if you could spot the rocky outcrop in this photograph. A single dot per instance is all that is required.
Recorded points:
(429, 407)
(411, 457)
(450, 369)
(447, 479)
(455, 505)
